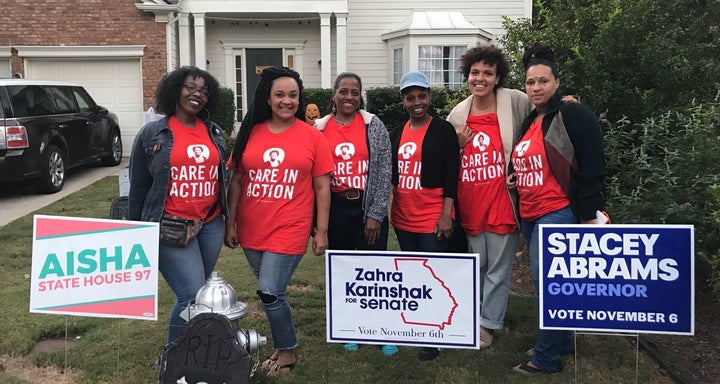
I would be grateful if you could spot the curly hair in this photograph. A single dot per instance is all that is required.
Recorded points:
(170, 86)
(541, 53)
(338, 79)
(260, 109)
(489, 54)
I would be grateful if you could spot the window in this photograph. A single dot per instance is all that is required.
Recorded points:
(31, 100)
(397, 65)
(85, 102)
(441, 63)
(64, 99)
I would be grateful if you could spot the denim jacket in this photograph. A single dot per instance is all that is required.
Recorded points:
(150, 170)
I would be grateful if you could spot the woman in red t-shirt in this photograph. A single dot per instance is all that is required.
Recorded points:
(487, 122)
(360, 184)
(559, 168)
(425, 169)
(176, 169)
(281, 180)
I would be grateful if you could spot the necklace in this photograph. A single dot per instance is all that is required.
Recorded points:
(342, 122)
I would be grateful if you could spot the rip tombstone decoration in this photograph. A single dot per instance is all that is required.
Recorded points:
(207, 351)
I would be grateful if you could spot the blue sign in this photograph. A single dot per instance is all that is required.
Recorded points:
(619, 278)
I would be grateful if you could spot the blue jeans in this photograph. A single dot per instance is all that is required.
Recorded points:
(273, 271)
(550, 345)
(420, 242)
(186, 269)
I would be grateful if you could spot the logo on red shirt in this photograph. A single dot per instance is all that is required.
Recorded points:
(345, 150)
(407, 150)
(481, 141)
(199, 152)
(274, 156)
(521, 147)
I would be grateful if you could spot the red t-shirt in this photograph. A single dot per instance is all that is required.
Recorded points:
(194, 161)
(414, 208)
(482, 195)
(277, 199)
(350, 154)
(537, 188)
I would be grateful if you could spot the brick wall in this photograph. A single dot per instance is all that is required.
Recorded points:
(87, 22)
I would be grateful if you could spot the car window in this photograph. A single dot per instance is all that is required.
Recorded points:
(64, 99)
(31, 100)
(84, 100)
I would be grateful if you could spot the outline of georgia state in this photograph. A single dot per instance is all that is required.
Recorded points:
(428, 314)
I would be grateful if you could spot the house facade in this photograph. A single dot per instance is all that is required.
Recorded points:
(120, 49)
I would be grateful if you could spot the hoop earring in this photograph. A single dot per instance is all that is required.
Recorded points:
(333, 109)
(207, 118)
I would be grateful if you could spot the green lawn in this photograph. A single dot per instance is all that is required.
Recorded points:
(123, 351)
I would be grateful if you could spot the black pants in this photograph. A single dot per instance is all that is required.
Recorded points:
(347, 229)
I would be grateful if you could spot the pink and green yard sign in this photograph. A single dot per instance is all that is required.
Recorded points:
(94, 267)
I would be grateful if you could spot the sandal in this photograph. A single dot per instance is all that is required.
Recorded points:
(486, 338)
(269, 362)
(277, 370)
(527, 369)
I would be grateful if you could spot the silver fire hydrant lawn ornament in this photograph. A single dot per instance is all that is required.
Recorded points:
(212, 347)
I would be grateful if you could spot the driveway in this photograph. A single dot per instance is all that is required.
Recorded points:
(20, 199)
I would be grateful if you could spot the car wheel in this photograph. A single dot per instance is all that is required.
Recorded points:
(115, 148)
(52, 170)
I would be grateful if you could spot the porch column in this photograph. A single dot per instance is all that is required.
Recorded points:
(325, 50)
(341, 43)
(184, 39)
(200, 43)
(170, 40)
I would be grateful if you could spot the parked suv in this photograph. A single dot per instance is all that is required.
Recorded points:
(48, 127)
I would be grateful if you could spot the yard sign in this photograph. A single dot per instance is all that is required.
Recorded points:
(94, 267)
(618, 278)
(404, 298)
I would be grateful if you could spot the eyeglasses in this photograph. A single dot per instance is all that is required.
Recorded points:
(192, 88)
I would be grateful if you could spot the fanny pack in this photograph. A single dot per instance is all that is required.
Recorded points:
(178, 232)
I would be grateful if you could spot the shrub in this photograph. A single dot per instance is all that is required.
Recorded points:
(445, 99)
(630, 57)
(661, 170)
(385, 102)
(322, 97)
(225, 114)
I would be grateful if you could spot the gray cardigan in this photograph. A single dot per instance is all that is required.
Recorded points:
(377, 186)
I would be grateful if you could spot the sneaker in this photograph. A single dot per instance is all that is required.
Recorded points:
(428, 353)
(351, 347)
(486, 338)
(389, 350)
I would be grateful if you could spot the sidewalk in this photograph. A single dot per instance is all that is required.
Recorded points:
(18, 200)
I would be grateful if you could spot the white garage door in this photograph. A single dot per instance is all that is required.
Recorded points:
(115, 84)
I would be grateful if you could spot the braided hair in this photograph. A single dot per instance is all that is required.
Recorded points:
(260, 109)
